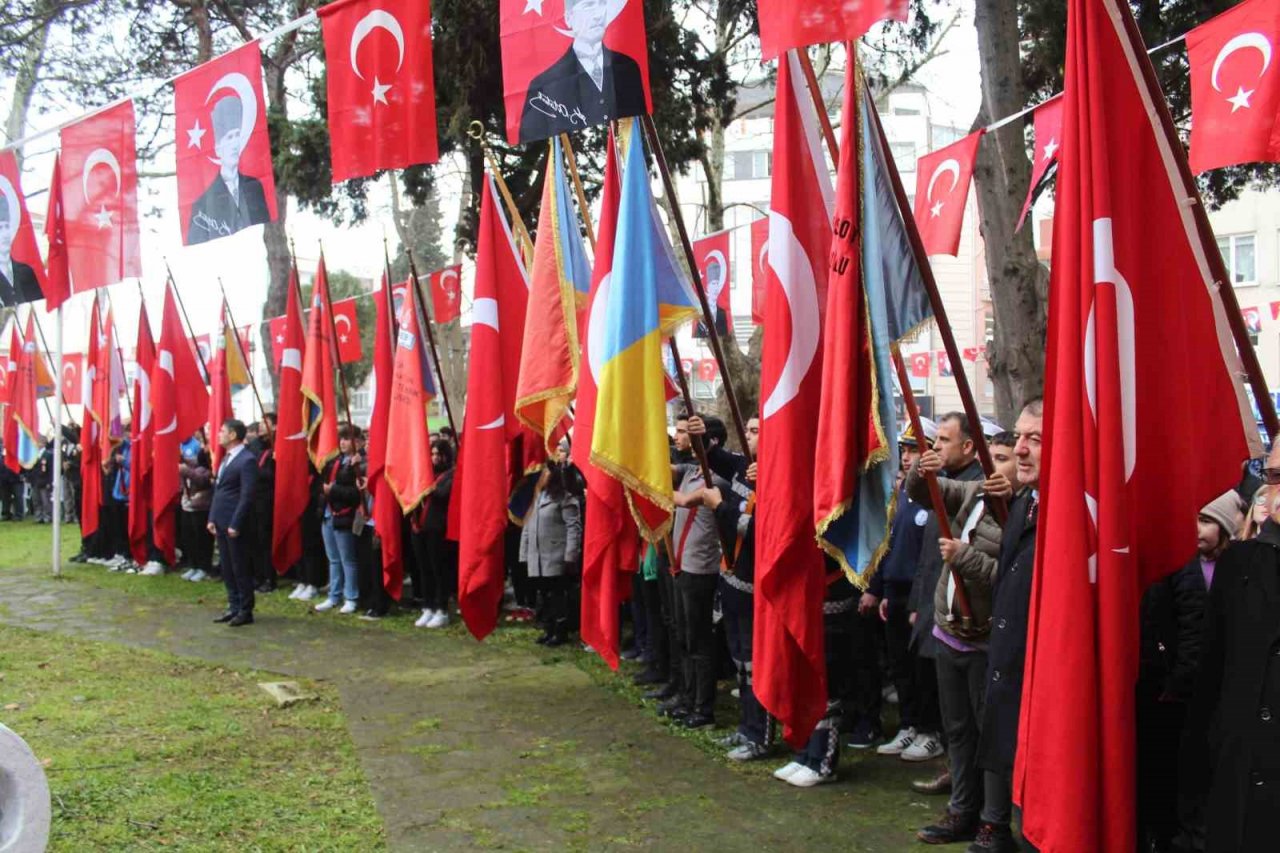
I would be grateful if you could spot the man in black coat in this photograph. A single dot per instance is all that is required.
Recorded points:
(589, 85)
(228, 519)
(1234, 717)
(233, 200)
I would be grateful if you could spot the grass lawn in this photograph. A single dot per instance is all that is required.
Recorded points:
(146, 750)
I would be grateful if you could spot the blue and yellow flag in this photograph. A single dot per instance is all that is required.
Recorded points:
(647, 295)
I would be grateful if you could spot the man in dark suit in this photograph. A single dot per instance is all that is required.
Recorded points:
(590, 84)
(228, 518)
(18, 282)
(234, 200)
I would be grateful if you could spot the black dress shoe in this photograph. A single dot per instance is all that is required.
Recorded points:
(675, 708)
(544, 639)
(555, 640)
(695, 720)
(226, 617)
(666, 691)
(647, 677)
(244, 617)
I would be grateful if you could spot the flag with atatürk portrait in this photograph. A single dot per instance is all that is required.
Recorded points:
(225, 181)
(21, 271)
(572, 64)
(711, 254)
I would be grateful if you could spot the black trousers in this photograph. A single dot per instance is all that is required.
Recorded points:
(1159, 736)
(902, 665)
(822, 753)
(113, 524)
(522, 586)
(237, 575)
(197, 544)
(659, 635)
(929, 716)
(434, 568)
(738, 607)
(696, 599)
(868, 676)
(669, 600)
(314, 569)
(373, 590)
(553, 604)
(639, 618)
(259, 550)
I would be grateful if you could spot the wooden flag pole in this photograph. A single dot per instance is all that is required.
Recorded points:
(578, 190)
(431, 340)
(333, 344)
(476, 132)
(177, 294)
(668, 186)
(935, 491)
(244, 356)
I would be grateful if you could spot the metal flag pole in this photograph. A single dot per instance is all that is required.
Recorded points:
(235, 333)
(57, 448)
(431, 338)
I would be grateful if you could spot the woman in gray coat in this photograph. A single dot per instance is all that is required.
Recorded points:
(551, 547)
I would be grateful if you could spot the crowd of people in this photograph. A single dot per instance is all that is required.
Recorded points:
(924, 663)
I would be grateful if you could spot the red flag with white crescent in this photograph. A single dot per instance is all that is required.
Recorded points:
(486, 470)
(785, 24)
(225, 180)
(22, 276)
(759, 267)
(57, 286)
(346, 324)
(387, 515)
(1126, 315)
(276, 328)
(446, 294)
(141, 442)
(100, 198)
(711, 254)
(293, 471)
(790, 670)
(1046, 124)
(72, 369)
(1235, 87)
(942, 190)
(320, 408)
(381, 85)
(179, 406)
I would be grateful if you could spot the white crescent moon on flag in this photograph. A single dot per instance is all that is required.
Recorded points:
(761, 261)
(370, 22)
(339, 319)
(445, 276)
(1257, 41)
(595, 327)
(144, 381)
(950, 165)
(239, 84)
(99, 157)
(11, 203)
(164, 361)
(484, 312)
(795, 274)
(291, 359)
(69, 366)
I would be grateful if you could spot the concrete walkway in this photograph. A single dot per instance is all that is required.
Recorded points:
(498, 745)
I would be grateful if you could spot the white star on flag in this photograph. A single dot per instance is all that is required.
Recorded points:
(102, 218)
(195, 135)
(936, 210)
(342, 338)
(279, 339)
(380, 92)
(1240, 100)
(1050, 149)
(532, 6)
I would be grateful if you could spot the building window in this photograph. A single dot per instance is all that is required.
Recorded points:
(1238, 254)
(904, 154)
(747, 165)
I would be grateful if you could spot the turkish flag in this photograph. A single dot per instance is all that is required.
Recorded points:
(22, 278)
(9, 365)
(90, 455)
(1046, 123)
(72, 370)
(972, 353)
(1135, 332)
(346, 323)
(179, 405)
(610, 539)
(944, 176)
(1275, 310)
(387, 516)
(446, 294)
(711, 254)
(408, 471)
(109, 387)
(790, 669)
(381, 86)
(1235, 87)
(276, 328)
(570, 66)
(759, 267)
(785, 24)
(1252, 319)
(485, 474)
(320, 408)
(202, 348)
(100, 198)
(944, 363)
(141, 442)
(920, 365)
(57, 286)
(707, 369)
(293, 473)
(225, 181)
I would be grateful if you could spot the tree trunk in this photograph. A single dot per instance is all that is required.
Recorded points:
(28, 77)
(1019, 284)
(274, 234)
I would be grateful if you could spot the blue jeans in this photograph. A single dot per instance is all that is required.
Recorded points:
(340, 548)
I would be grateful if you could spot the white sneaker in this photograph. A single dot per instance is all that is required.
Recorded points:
(326, 605)
(153, 569)
(186, 576)
(438, 619)
(293, 593)
(926, 746)
(198, 575)
(421, 621)
(903, 739)
(807, 778)
(748, 751)
(348, 608)
(787, 770)
(308, 593)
